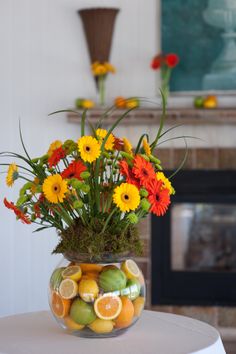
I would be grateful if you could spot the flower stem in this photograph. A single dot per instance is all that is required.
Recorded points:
(101, 89)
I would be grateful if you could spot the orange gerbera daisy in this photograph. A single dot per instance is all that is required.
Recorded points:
(126, 171)
(143, 170)
(74, 170)
(158, 197)
(56, 156)
(19, 214)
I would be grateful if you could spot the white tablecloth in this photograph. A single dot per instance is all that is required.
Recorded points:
(155, 332)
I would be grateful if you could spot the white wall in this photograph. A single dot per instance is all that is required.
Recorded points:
(44, 66)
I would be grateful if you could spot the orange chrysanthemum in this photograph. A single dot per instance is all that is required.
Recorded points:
(126, 171)
(74, 170)
(158, 197)
(19, 214)
(56, 156)
(143, 170)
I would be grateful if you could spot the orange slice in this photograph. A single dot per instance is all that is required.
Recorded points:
(130, 269)
(60, 306)
(108, 306)
(90, 267)
(68, 289)
(72, 272)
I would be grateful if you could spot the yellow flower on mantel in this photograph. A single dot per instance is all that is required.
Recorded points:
(99, 70)
(87, 104)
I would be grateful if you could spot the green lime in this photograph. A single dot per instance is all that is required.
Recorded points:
(199, 102)
(132, 289)
(82, 312)
(79, 103)
(56, 278)
(112, 279)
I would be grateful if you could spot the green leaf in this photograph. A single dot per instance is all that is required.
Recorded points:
(83, 122)
(22, 141)
(140, 142)
(183, 161)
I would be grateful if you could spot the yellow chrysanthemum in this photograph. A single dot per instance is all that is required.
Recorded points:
(55, 188)
(127, 146)
(55, 145)
(99, 70)
(101, 133)
(146, 147)
(126, 197)
(87, 104)
(110, 67)
(89, 148)
(166, 183)
(12, 174)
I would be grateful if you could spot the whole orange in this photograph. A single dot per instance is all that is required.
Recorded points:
(126, 315)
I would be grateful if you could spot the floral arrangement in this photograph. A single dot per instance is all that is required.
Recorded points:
(94, 191)
(100, 71)
(166, 63)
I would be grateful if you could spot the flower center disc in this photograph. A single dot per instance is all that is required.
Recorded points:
(87, 148)
(125, 197)
(56, 188)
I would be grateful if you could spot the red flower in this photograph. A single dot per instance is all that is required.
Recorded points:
(143, 170)
(19, 214)
(126, 171)
(171, 60)
(37, 210)
(74, 170)
(158, 197)
(118, 144)
(56, 156)
(157, 61)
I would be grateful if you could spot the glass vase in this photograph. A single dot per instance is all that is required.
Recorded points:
(99, 298)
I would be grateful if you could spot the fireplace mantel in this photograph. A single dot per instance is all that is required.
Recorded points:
(186, 116)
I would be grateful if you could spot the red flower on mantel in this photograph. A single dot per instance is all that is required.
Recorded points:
(157, 62)
(171, 60)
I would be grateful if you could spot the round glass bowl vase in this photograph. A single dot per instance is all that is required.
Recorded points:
(97, 299)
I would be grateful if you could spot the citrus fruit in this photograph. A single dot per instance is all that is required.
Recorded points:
(88, 289)
(72, 272)
(108, 306)
(90, 275)
(112, 279)
(109, 266)
(72, 324)
(126, 315)
(138, 305)
(56, 278)
(132, 289)
(130, 269)
(90, 267)
(101, 326)
(60, 306)
(82, 312)
(68, 289)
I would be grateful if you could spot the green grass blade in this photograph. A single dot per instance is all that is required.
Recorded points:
(163, 116)
(183, 161)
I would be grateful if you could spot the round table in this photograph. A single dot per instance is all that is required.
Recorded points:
(155, 332)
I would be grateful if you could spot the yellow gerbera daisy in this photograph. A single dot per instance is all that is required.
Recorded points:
(12, 174)
(55, 188)
(146, 147)
(110, 67)
(166, 183)
(101, 133)
(99, 70)
(127, 146)
(126, 197)
(55, 145)
(89, 148)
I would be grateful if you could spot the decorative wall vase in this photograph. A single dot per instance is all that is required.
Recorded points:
(97, 298)
(98, 26)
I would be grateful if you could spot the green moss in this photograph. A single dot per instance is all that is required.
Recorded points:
(115, 240)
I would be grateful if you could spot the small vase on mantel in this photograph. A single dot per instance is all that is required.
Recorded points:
(96, 297)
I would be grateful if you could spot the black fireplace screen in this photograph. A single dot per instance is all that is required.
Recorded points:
(194, 244)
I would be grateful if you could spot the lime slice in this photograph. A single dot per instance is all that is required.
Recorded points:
(130, 269)
(72, 272)
(68, 289)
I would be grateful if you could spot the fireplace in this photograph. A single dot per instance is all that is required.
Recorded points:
(194, 245)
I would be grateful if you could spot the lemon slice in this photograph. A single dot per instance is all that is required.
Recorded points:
(68, 289)
(72, 272)
(108, 306)
(130, 269)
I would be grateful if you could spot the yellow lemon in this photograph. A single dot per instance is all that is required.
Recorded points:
(130, 269)
(101, 326)
(72, 324)
(72, 272)
(68, 289)
(88, 290)
(138, 305)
